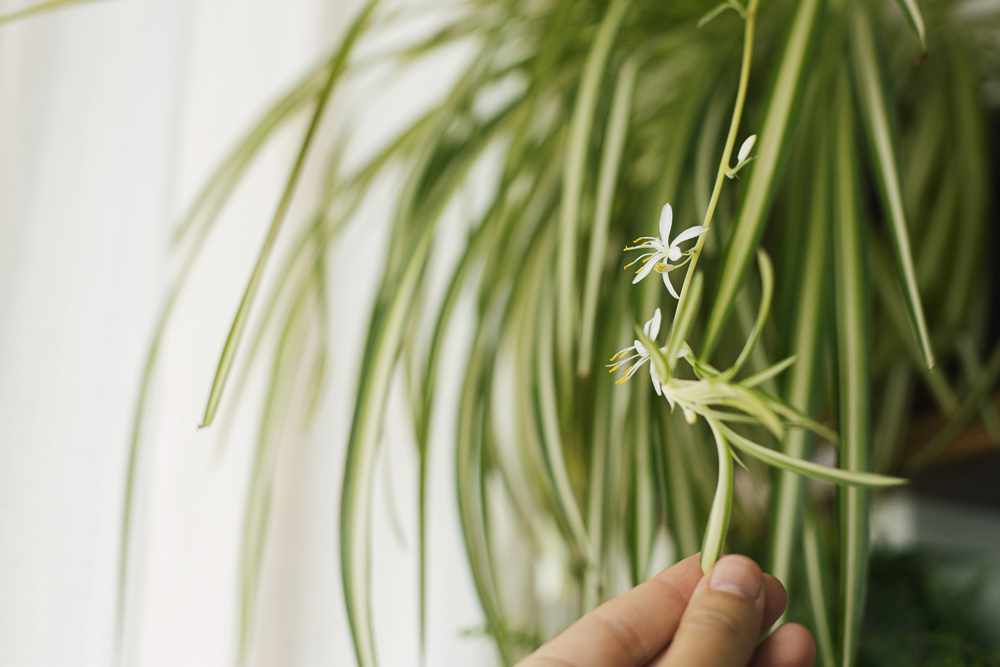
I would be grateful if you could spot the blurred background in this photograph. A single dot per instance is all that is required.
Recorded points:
(113, 114)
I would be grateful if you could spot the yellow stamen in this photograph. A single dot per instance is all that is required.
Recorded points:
(615, 368)
(622, 379)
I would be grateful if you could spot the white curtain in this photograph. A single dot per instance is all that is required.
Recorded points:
(112, 114)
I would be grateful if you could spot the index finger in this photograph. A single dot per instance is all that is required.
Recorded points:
(627, 631)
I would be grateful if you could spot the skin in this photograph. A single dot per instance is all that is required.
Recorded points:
(683, 618)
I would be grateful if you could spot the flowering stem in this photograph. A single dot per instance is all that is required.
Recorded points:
(750, 19)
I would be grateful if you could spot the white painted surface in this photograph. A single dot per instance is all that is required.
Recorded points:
(111, 116)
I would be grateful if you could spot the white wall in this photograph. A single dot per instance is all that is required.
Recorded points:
(111, 115)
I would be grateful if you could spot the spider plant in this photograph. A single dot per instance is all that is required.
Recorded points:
(868, 185)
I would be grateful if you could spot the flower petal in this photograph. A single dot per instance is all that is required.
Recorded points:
(674, 253)
(641, 349)
(689, 233)
(745, 148)
(670, 288)
(644, 271)
(666, 221)
(654, 325)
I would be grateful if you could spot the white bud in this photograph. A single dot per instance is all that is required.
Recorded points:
(690, 416)
(745, 148)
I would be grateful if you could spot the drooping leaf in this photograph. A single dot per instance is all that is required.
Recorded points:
(876, 111)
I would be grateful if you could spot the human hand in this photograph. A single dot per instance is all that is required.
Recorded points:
(680, 618)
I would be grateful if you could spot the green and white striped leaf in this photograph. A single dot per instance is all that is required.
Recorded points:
(877, 112)
(854, 400)
(614, 140)
(573, 173)
(808, 468)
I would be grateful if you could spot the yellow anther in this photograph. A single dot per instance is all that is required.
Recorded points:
(615, 368)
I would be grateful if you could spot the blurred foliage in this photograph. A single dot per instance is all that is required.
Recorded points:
(919, 616)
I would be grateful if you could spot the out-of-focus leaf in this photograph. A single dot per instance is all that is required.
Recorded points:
(38, 9)
(614, 140)
(683, 321)
(817, 590)
(970, 149)
(962, 416)
(338, 64)
(916, 19)
(573, 173)
(854, 400)
(876, 113)
(801, 385)
(767, 291)
(895, 312)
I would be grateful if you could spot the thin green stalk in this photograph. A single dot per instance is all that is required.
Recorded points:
(722, 504)
(773, 145)
(750, 23)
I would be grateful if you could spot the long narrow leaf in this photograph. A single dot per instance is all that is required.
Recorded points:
(766, 292)
(876, 113)
(614, 141)
(916, 18)
(801, 387)
(337, 66)
(817, 590)
(853, 356)
(573, 173)
(807, 468)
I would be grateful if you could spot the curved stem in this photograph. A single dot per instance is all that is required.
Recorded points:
(741, 93)
(722, 504)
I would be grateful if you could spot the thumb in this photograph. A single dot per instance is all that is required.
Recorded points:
(722, 622)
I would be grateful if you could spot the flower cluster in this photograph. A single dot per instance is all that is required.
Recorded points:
(662, 251)
(717, 396)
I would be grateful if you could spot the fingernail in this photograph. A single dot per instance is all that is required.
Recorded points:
(736, 575)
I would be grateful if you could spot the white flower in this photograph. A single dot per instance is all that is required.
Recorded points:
(743, 157)
(663, 251)
(651, 329)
